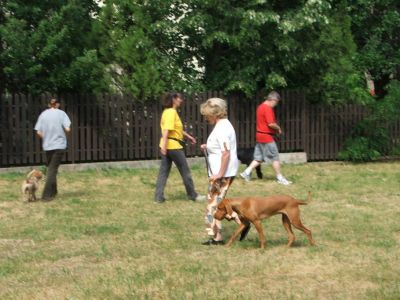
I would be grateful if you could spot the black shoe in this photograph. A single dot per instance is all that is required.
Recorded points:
(48, 199)
(159, 201)
(244, 233)
(212, 242)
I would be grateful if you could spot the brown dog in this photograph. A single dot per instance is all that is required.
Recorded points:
(254, 209)
(31, 185)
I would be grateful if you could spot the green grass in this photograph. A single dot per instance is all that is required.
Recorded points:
(104, 238)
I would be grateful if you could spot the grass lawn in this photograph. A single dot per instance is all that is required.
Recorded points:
(104, 238)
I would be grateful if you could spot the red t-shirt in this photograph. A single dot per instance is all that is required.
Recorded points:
(265, 115)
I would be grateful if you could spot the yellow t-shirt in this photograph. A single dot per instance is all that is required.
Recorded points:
(170, 120)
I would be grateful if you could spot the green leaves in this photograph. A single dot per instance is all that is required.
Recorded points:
(44, 45)
(145, 48)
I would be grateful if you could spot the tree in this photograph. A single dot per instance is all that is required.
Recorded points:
(251, 45)
(47, 47)
(376, 27)
(143, 48)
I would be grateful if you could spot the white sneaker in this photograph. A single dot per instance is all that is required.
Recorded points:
(245, 176)
(283, 180)
(200, 198)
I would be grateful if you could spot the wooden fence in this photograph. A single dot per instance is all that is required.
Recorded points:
(114, 128)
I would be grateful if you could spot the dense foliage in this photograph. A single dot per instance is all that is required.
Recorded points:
(48, 46)
(146, 47)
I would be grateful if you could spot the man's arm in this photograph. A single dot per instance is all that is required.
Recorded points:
(275, 127)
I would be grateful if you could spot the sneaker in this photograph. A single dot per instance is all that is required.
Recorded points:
(245, 176)
(48, 199)
(283, 180)
(200, 198)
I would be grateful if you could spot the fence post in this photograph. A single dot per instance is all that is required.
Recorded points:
(305, 125)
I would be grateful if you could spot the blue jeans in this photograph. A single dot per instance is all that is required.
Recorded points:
(178, 157)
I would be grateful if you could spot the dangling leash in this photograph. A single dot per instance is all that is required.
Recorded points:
(209, 172)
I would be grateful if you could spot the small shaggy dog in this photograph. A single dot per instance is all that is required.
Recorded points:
(31, 185)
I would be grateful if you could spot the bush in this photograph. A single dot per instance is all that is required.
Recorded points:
(358, 149)
(367, 142)
(370, 138)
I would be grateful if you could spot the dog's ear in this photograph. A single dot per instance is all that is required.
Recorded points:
(30, 174)
(228, 207)
(38, 174)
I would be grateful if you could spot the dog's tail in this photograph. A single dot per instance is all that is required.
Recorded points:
(307, 201)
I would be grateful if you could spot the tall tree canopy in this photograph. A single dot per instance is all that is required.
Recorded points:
(47, 46)
(144, 48)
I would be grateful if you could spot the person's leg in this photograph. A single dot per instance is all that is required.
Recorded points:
(258, 158)
(54, 158)
(179, 158)
(217, 192)
(165, 168)
(273, 154)
(252, 166)
(276, 165)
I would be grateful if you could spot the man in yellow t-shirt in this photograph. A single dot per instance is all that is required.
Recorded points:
(172, 151)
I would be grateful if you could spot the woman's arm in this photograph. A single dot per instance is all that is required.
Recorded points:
(164, 142)
(189, 137)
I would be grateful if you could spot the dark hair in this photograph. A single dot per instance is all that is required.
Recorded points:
(168, 99)
(53, 102)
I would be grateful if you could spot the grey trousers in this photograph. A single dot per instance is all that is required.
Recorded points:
(179, 159)
(53, 162)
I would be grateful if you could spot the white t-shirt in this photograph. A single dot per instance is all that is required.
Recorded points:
(51, 123)
(222, 134)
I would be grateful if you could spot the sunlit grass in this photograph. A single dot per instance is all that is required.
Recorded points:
(104, 238)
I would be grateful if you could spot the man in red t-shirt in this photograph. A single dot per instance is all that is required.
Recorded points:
(266, 148)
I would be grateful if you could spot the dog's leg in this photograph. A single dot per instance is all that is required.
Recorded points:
(236, 234)
(257, 224)
(294, 216)
(288, 227)
(259, 173)
(245, 232)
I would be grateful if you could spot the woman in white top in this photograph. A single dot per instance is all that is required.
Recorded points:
(52, 126)
(222, 160)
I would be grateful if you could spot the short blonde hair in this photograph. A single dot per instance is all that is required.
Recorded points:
(215, 107)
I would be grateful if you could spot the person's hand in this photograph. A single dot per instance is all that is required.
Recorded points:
(192, 140)
(203, 147)
(280, 131)
(163, 151)
(214, 177)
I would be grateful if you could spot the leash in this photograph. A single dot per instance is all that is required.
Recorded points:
(207, 163)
